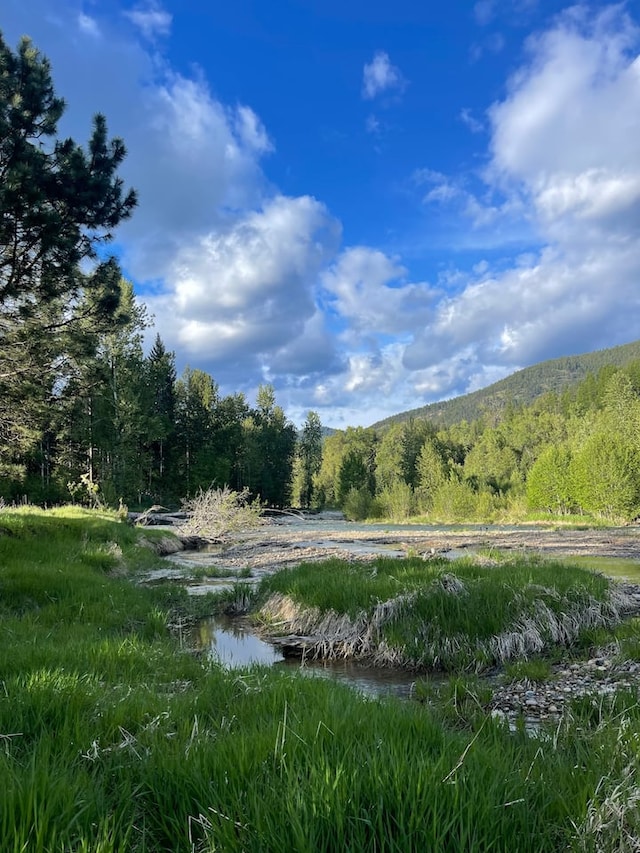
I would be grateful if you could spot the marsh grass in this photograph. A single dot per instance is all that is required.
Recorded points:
(112, 740)
(438, 614)
(535, 670)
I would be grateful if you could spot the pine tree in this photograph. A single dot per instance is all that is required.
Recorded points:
(58, 202)
(310, 454)
(161, 437)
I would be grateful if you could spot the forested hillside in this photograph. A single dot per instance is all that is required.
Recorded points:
(520, 388)
(574, 452)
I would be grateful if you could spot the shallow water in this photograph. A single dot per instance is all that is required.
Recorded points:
(616, 567)
(231, 643)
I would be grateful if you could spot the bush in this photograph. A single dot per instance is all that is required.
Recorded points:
(217, 513)
(397, 501)
(358, 504)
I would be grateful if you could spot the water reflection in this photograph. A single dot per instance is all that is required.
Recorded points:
(231, 643)
(369, 680)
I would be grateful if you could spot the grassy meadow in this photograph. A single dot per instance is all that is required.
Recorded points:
(113, 738)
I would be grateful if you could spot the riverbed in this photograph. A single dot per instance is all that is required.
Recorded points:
(291, 540)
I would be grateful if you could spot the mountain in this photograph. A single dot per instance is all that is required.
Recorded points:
(521, 387)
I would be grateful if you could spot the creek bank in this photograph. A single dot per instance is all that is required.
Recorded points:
(166, 546)
(330, 637)
(287, 543)
(597, 677)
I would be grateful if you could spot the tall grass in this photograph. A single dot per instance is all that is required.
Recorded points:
(438, 614)
(112, 739)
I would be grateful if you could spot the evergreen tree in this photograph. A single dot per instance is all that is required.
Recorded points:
(414, 435)
(196, 399)
(271, 443)
(310, 455)
(161, 436)
(57, 203)
(104, 410)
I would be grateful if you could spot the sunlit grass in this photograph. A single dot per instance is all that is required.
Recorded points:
(112, 740)
(437, 614)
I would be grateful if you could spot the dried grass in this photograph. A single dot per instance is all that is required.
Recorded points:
(612, 823)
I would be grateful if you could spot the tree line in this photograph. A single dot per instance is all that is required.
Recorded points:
(84, 413)
(125, 428)
(573, 452)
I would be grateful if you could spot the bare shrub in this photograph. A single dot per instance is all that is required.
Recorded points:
(215, 514)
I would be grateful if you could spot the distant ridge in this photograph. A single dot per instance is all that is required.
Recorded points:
(522, 387)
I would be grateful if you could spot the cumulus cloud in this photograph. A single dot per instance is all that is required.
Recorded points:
(562, 153)
(308, 358)
(192, 160)
(370, 290)
(243, 294)
(381, 76)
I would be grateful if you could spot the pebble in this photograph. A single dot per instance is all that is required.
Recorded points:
(600, 675)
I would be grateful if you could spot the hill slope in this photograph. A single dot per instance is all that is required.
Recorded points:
(521, 387)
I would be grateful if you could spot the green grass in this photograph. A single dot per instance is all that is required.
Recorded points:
(437, 613)
(536, 670)
(112, 739)
(350, 588)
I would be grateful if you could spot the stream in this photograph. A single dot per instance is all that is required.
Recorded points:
(230, 642)
(290, 540)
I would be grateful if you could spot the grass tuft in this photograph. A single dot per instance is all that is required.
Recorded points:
(438, 614)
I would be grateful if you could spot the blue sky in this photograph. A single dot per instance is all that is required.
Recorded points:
(370, 205)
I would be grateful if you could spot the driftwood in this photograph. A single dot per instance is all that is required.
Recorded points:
(157, 516)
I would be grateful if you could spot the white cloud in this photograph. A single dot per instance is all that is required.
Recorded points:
(244, 294)
(381, 76)
(191, 159)
(467, 117)
(563, 139)
(564, 158)
(369, 289)
(88, 25)
(151, 20)
(251, 131)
